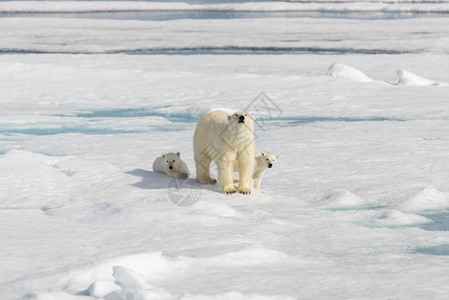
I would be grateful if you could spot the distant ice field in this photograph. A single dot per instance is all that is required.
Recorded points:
(233, 28)
(166, 15)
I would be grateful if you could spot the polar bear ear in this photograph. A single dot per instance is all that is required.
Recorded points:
(277, 156)
(229, 117)
(262, 153)
(178, 153)
(253, 117)
(163, 155)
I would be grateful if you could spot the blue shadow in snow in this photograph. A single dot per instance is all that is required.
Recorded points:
(435, 250)
(177, 120)
(137, 113)
(92, 125)
(292, 121)
(63, 130)
(150, 179)
(153, 180)
(441, 222)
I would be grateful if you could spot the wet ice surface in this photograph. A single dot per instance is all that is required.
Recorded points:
(358, 198)
(440, 221)
(437, 250)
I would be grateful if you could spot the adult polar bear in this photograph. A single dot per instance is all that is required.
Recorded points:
(224, 138)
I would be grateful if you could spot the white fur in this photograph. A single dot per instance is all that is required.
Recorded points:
(179, 169)
(220, 137)
(261, 164)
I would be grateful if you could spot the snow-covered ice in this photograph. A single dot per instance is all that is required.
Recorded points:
(356, 208)
(426, 198)
(347, 72)
(398, 218)
(408, 78)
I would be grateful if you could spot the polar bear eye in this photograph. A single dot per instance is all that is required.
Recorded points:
(173, 161)
(167, 160)
(246, 115)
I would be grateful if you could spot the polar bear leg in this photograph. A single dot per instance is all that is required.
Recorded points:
(258, 181)
(236, 168)
(202, 163)
(246, 166)
(225, 170)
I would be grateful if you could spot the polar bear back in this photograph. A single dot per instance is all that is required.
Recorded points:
(159, 165)
(208, 130)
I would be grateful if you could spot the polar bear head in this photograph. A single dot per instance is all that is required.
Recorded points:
(267, 160)
(241, 117)
(172, 161)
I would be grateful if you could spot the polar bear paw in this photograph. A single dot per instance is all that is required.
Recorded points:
(229, 190)
(206, 180)
(182, 175)
(245, 190)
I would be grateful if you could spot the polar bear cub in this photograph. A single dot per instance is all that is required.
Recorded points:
(172, 165)
(262, 162)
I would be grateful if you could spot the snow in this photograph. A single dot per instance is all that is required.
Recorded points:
(99, 289)
(357, 201)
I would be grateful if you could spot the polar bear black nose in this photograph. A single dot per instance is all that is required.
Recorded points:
(241, 118)
(171, 167)
(270, 165)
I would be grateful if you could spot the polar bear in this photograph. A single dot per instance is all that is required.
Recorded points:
(224, 139)
(262, 162)
(172, 165)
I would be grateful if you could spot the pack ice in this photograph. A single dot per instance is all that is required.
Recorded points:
(356, 208)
